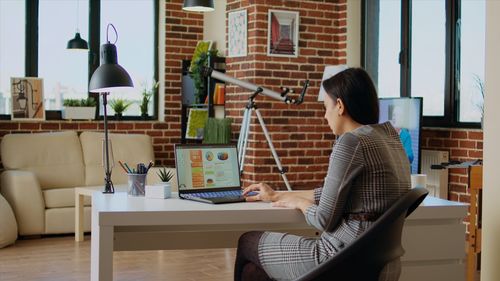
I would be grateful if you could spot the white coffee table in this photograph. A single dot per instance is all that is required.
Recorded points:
(80, 193)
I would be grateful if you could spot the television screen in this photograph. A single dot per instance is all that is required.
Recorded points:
(405, 114)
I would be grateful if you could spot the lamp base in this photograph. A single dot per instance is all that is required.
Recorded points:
(108, 185)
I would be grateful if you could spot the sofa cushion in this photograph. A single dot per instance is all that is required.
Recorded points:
(55, 158)
(8, 229)
(129, 148)
(61, 198)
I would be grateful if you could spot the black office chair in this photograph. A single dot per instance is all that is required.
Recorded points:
(366, 257)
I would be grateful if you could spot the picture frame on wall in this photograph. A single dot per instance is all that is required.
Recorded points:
(237, 34)
(27, 98)
(283, 33)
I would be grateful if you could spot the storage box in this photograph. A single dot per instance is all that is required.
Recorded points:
(161, 191)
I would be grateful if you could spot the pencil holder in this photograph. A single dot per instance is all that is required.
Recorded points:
(136, 184)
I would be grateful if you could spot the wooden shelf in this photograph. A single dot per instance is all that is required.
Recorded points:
(475, 217)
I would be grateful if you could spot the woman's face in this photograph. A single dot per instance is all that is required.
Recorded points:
(332, 114)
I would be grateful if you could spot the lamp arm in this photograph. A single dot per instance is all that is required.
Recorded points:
(208, 71)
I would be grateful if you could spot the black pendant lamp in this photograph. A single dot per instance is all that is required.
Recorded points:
(77, 43)
(198, 5)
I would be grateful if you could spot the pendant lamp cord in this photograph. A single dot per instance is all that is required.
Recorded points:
(107, 33)
(77, 15)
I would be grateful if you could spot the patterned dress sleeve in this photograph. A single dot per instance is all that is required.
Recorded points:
(317, 194)
(346, 163)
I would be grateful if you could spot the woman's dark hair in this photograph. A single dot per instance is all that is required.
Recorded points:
(356, 90)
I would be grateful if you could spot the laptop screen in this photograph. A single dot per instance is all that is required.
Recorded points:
(204, 166)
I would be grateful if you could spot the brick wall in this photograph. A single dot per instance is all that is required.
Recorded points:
(463, 145)
(300, 135)
(182, 31)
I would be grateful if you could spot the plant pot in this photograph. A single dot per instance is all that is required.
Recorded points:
(144, 116)
(118, 116)
(78, 113)
(161, 190)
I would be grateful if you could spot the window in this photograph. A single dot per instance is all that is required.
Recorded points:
(12, 62)
(428, 54)
(430, 49)
(385, 67)
(66, 73)
(66, 79)
(472, 43)
(136, 45)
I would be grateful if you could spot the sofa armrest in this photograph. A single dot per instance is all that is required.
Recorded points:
(153, 178)
(23, 192)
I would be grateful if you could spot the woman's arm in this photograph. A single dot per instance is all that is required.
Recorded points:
(292, 199)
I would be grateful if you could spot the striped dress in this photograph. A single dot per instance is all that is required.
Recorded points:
(368, 171)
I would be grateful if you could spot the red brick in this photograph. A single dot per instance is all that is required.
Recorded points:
(30, 126)
(50, 126)
(476, 154)
(9, 125)
(467, 144)
(475, 135)
(88, 126)
(459, 135)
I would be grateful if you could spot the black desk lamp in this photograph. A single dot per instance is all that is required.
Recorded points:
(108, 77)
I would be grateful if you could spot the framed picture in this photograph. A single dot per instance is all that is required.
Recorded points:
(27, 98)
(197, 119)
(283, 33)
(237, 34)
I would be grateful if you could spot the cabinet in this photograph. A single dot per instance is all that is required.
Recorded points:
(188, 93)
(475, 217)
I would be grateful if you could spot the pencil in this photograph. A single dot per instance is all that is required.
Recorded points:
(123, 167)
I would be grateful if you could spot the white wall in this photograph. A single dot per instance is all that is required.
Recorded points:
(214, 26)
(354, 33)
(490, 258)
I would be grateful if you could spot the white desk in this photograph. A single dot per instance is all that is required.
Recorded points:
(123, 223)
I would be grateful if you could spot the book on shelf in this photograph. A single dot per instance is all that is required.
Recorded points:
(219, 97)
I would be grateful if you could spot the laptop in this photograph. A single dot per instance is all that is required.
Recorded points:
(208, 173)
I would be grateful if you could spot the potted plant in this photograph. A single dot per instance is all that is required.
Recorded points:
(79, 109)
(146, 98)
(119, 106)
(164, 188)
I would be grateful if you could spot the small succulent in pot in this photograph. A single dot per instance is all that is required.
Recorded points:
(164, 175)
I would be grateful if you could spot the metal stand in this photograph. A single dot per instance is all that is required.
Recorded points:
(243, 138)
(108, 184)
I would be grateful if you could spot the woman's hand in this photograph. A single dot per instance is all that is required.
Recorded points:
(260, 192)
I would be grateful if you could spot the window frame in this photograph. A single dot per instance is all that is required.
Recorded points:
(31, 55)
(452, 63)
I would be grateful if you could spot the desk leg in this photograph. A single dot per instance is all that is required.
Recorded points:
(101, 252)
(78, 217)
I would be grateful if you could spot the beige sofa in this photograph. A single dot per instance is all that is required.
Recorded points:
(43, 169)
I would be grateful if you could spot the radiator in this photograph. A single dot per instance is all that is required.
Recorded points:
(437, 180)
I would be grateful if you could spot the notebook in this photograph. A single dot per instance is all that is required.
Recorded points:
(208, 173)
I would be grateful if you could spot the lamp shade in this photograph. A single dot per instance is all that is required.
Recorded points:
(77, 43)
(109, 76)
(198, 5)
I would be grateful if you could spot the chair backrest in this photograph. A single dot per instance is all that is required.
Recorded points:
(364, 259)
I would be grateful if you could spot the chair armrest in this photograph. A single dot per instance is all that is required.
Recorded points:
(153, 178)
(23, 192)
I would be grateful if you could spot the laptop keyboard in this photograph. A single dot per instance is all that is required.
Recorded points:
(215, 194)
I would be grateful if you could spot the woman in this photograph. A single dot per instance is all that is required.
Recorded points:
(368, 171)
